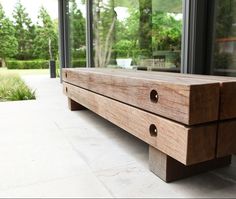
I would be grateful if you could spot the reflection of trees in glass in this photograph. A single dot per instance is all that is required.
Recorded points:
(225, 18)
(167, 6)
(127, 36)
(104, 31)
(145, 30)
(77, 31)
(171, 6)
(166, 32)
(145, 27)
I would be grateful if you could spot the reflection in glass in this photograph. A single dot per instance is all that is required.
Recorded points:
(224, 48)
(141, 34)
(77, 33)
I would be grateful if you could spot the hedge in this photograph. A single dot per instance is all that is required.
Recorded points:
(32, 64)
(40, 64)
(78, 63)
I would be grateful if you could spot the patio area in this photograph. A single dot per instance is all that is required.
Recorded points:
(48, 151)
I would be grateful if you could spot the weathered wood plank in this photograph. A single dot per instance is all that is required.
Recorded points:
(188, 145)
(226, 138)
(168, 169)
(227, 108)
(188, 101)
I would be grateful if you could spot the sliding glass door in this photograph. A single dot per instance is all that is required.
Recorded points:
(142, 34)
(147, 34)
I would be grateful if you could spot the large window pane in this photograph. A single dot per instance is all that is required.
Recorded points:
(224, 48)
(77, 33)
(141, 34)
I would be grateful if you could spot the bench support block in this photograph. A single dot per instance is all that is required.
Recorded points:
(168, 169)
(74, 106)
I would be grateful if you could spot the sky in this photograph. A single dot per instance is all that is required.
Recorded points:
(32, 7)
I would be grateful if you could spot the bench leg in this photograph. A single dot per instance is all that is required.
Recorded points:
(169, 169)
(74, 106)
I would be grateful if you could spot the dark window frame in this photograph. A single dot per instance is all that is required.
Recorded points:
(196, 36)
(63, 34)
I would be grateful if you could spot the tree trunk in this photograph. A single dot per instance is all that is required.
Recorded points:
(145, 27)
(50, 48)
(103, 43)
(96, 36)
(2, 63)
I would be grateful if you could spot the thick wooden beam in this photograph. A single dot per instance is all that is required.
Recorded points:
(188, 145)
(227, 109)
(168, 169)
(185, 100)
(226, 142)
(228, 96)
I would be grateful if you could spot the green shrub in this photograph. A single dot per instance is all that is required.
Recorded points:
(78, 63)
(124, 48)
(79, 54)
(13, 88)
(31, 64)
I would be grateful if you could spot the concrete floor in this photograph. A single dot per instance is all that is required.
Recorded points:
(48, 151)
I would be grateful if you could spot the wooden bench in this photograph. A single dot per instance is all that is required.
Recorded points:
(187, 120)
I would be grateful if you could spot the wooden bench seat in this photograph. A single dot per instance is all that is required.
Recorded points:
(181, 99)
(177, 115)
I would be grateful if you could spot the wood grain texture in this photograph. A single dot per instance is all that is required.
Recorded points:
(227, 108)
(169, 170)
(227, 104)
(226, 138)
(188, 101)
(185, 144)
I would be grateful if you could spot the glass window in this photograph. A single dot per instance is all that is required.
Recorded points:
(224, 47)
(77, 33)
(142, 34)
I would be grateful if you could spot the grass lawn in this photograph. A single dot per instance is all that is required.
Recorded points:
(13, 88)
(24, 71)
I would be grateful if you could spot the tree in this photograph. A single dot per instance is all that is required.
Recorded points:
(127, 35)
(77, 28)
(45, 43)
(225, 18)
(145, 27)
(167, 31)
(105, 19)
(161, 30)
(224, 28)
(25, 32)
(8, 42)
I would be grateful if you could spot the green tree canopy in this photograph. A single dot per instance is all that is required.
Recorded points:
(225, 19)
(166, 33)
(8, 42)
(25, 32)
(77, 28)
(45, 43)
